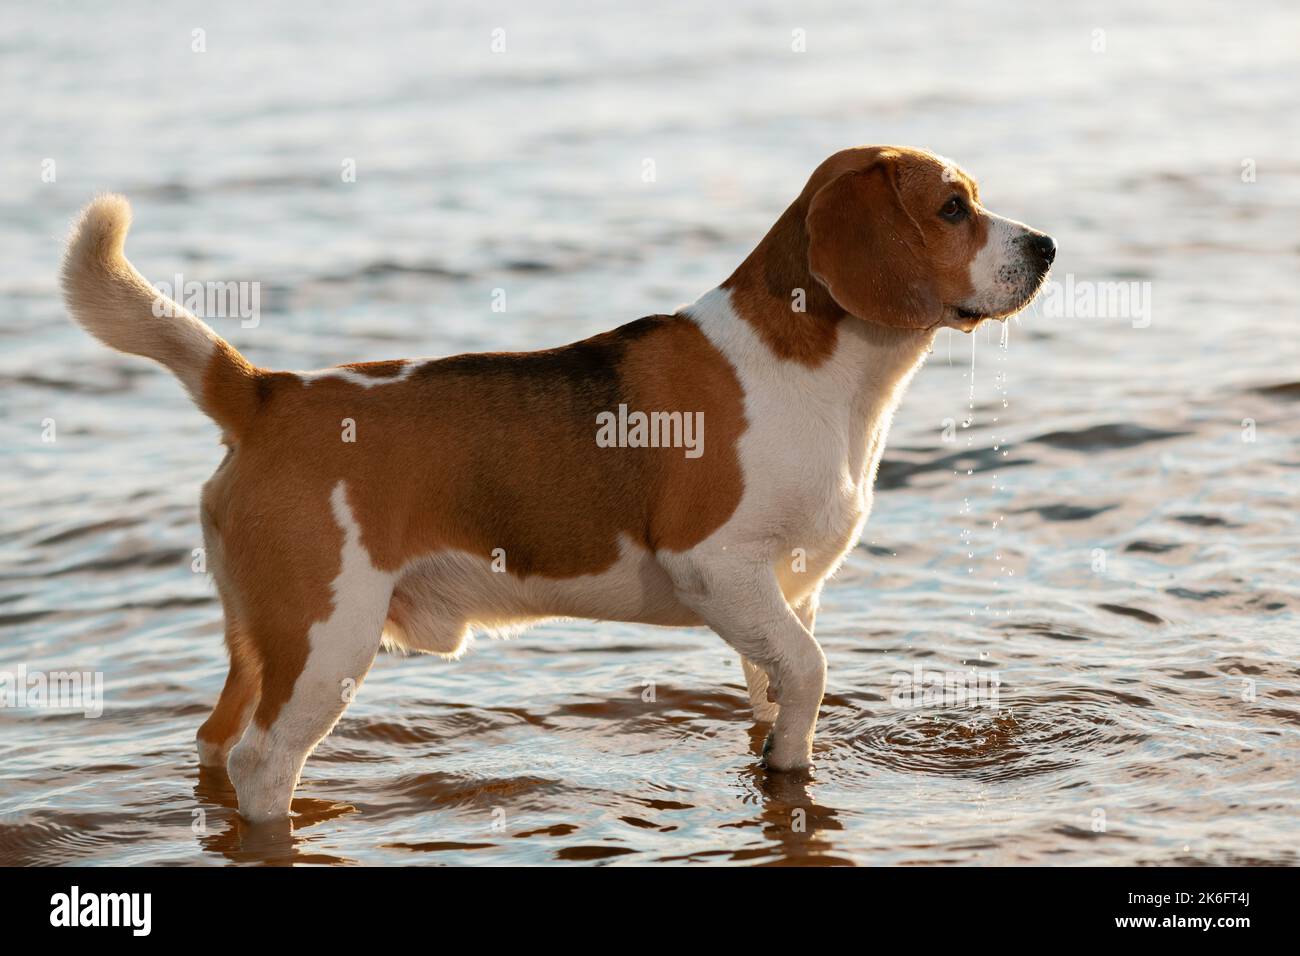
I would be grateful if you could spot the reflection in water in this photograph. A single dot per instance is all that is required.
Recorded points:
(279, 843)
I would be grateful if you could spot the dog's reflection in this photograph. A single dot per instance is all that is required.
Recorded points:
(797, 828)
(276, 843)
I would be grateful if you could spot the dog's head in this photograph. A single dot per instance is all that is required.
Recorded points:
(898, 236)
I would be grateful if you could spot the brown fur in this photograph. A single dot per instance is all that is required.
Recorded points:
(470, 453)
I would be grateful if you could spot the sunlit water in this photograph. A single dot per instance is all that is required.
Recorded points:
(1101, 523)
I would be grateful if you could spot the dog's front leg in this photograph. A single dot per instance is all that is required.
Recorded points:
(762, 698)
(743, 603)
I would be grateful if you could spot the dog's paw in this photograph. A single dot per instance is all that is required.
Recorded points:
(774, 760)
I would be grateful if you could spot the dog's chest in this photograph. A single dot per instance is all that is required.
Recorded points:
(812, 443)
(809, 477)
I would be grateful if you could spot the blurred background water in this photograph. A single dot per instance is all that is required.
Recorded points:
(1100, 512)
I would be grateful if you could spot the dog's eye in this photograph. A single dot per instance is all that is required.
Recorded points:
(954, 210)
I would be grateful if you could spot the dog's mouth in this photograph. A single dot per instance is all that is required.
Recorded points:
(963, 319)
(966, 319)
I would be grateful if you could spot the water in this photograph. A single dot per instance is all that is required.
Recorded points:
(1120, 558)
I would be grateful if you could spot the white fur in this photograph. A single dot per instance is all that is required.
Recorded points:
(813, 441)
(441, 599)
(359, 378)
(118, 306)
(1002, 272)
(809, 459)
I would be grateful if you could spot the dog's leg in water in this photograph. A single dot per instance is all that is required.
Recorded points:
(307, 684)
(744, 605)
(266, 763)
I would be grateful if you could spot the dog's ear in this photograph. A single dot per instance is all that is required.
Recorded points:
(868, 252)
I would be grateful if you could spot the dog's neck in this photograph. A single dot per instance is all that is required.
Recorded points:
(857, 386)
(781, 329)
(792, 312)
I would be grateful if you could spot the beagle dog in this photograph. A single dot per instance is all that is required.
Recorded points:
(412, 502)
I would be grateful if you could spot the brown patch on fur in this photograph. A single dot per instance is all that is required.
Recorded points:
(390, 368)
(274, 549)
(763, 289)
(471, 453)
(686, 499)
(862, 239)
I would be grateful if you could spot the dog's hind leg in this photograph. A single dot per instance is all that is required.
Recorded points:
(765, 710)
(234, 709)
(313, 660)
(266, 763)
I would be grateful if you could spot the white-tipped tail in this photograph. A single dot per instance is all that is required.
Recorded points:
(114, 303)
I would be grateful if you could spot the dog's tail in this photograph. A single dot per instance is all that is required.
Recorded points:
(114, 303)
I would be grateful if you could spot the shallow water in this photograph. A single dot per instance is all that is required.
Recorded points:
(1112, 539)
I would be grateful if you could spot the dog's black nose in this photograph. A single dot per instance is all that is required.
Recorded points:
(1045, 246)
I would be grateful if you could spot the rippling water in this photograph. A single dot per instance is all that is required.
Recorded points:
(1098, 529)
